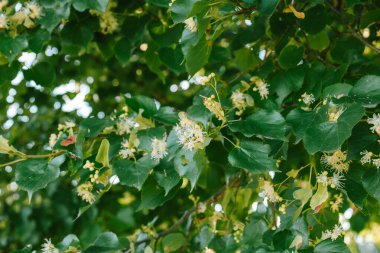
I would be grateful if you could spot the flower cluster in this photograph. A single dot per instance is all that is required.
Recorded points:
(190, 24)
(240, 101)
(189, 133)
(261, 87)
(367, 158)
(25, 16)
(48, 247)
(199, 79)
(336, 161)
(333, 234)
(214, 107)
(5, 148)
(337, 203)
(159, 148)
(269, 192)
(129, 147)
(307, 99)
(334, 182)
(335, 112)
(85, 192)
(375, 121)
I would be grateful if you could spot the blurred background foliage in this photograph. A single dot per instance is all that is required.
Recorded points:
(80, 58)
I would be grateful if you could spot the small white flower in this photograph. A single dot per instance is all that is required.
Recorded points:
(261, 87)
(366, 157)
(48, 247)
(125, 125)
(336, 161)
(336, 232)
(208, 250)
(189, 133)
(52, 140)
(4, 22)
(214, 107)
(333, 234)
(334, 113)
(201, 80)
(85, 192)
(308, 99)
(89, 165)
(159, 148)
(375, 121)
(323, 178)
(376, 162)
(34, 9)
(336, 181)
(269, 192)
(190, 24)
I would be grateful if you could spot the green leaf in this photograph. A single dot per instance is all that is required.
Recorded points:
(166, 176)
(103, 153)
(134, 174)
(181, 9)
(269, 124)
(190, 164)
(12, 47)
(290, 56)
(315, 19)
(367, 90)
(301, 120)
(142, 102)
(145, 137)
(252, 156)
(69, 240)
(329, 136)
(319, 197)
(347, 50)
(319, 41)
(173, 242)
(173, 59)
(105, 242)
(36, 174)
(82, 5)
(38, 40)
(197, 55)
(371, 183)
(152, 195)
(246, 59)
(337, 90)
(42, 73)
(331, 247)
(167, 115)
(267, 7)
(123, 50)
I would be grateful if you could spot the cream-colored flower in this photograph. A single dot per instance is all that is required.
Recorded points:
(3, 3)
(189, 133)
(375, 121)
(333, 234)
(89, 165)
(214, 107)
(52, 140)
(376, 162)
(48, 247)
(190, 24)
(5, 148)
(208, 250)
(108, 22)
(308, 99)
(22, 17)
(4, 21)
(201, 80)
(125, 125)
(269, 192)
(366, 157)
(159, 148)
(336, 205)
(34, 9)
(85, 192)
(337, 161)
(261, 87)
(336, 181)
(323, 178)
(335, 112)
(129, 147)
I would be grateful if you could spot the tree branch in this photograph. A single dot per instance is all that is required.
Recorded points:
(357, 35)
(187, 214)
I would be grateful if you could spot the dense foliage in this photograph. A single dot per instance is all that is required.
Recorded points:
(189, 126)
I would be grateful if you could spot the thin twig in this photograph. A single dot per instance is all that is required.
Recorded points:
(186, 215)
(352, 30)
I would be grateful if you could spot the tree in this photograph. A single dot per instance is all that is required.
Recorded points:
(203, 126)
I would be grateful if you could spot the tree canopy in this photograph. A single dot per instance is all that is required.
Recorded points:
(189, 126)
